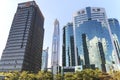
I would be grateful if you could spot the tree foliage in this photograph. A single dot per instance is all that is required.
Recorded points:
(116, 75)
(58, 77)
(69, 76)
(87, 74)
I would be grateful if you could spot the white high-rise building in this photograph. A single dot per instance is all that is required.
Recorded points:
(55, 48)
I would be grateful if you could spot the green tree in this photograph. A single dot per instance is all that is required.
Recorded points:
(48, 76)
(24, 76)
(31, 76)
(69, 76)
(41, 75)
(11, 75)
(115, 75)
(8, 76)
(87, 74)
(58, 77)
(15, 76)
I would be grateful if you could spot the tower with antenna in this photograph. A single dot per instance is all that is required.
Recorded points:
(55, 48)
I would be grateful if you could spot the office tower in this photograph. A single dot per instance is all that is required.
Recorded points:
(93, 45)
(25, 41)
(115, 30)
(68, 53)
(44, 60)
(55, 48)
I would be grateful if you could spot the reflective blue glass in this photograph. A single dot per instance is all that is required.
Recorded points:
(93, 42)
(68, 45)
(88, 9)
(115, 30)
(44, 60)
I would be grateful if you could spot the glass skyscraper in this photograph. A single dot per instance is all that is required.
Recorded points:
(44, 60)
(55, 48)
(25, 41)
(68, 53)
(93, 44)
(115, 30)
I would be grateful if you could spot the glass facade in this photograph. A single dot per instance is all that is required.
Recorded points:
(93, 45)
(68, 53)
(24, 45)
(44, 60)
(115, 30)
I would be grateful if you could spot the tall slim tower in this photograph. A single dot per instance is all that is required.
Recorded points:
(25, 41)
(55, 48)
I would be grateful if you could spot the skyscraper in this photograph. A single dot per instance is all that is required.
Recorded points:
(93, 44)
(68, 53)
(25, 41)
(115, 30)
(44, 60)
(55, 48)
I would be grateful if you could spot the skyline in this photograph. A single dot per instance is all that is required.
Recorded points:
(63, 13)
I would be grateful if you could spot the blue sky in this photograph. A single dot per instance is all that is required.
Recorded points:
(52, 9)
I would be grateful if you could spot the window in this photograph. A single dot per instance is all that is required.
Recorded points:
(79, 12)
(98, 9)
(83, 12)
(93, 9)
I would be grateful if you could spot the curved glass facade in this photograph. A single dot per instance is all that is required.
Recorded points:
(115, 30)
(93, 45)
(93, 42)
(68, 54)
